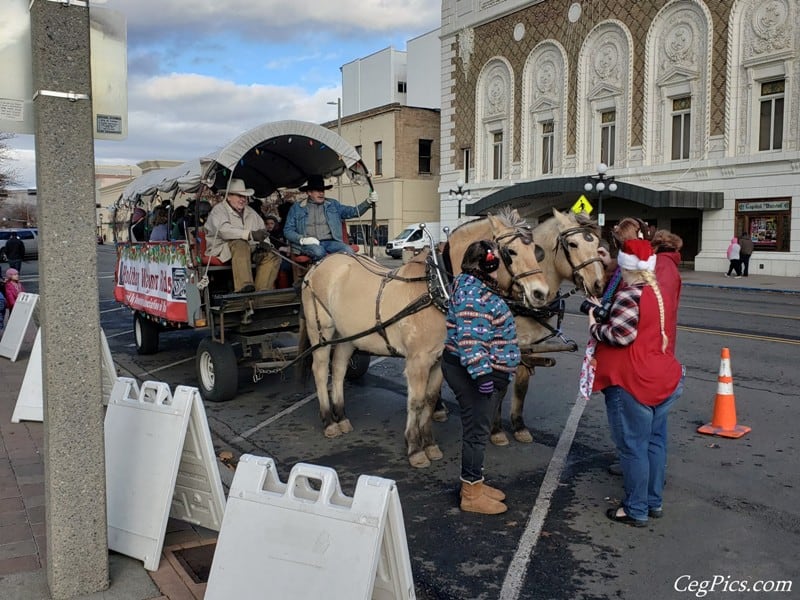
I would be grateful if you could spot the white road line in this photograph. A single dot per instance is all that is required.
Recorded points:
(120, 333)
(287, 411)
(144, 374)
(108, 310)
(515, 576)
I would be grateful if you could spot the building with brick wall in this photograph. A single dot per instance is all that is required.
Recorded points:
(693, 105)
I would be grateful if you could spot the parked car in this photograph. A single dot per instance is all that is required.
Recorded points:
(29, 237)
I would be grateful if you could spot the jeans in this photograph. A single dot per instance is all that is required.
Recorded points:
(640, 435)
(477, 413)
(325, 247)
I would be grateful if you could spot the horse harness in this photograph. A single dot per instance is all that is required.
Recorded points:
(508, 259)
(563, 243)
(436, 295)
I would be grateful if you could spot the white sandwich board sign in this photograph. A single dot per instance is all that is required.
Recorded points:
(17, 325)
(298, 540)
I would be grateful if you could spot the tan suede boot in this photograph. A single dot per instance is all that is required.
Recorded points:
(493, 492)
(474, 499)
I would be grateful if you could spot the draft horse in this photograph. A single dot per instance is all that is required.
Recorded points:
(567, 251)
(353, 303)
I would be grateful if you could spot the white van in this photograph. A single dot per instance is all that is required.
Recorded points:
(29, 237)
(414, 236)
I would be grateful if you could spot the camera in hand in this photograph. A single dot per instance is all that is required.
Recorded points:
(600, 312)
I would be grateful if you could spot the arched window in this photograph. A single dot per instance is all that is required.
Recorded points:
(605, 72)
(763, 77)
(544, 93)
(678, 83)
(493, 120)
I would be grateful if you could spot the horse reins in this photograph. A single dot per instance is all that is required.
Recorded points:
(564, 244)
(505, 256)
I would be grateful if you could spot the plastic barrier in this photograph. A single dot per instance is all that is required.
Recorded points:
(306, 539)
(30, 400)
(160, 462)
(17, 325)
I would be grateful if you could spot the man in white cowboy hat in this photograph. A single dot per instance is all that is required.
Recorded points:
(314, 225)
(232, 230)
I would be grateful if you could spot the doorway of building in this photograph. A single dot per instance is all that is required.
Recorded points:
(689, 230)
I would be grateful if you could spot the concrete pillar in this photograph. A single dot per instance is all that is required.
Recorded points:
(74, 463)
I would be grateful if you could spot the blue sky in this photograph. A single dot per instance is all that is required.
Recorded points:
(201, 72)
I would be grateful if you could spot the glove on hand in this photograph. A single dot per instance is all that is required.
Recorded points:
(486, 387)
(373, 197)
(259, 235)
(309, 241)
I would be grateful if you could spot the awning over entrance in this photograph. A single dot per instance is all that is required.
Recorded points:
(564, 191)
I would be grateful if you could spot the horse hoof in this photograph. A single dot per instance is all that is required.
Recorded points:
(523, 436)
(440, 416)
(333, 431)
(419, 460)
(499, 439)
(345, 426)
(433, 452)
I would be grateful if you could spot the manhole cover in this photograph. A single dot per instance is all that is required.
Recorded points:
(197, 561)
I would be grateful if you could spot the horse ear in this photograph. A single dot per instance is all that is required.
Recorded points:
(560, 217)
(538, 252)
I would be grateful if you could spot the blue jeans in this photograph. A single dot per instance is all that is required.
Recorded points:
(325, 247)
(640, 434)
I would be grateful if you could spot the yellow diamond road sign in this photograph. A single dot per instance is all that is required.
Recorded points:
(582, 205)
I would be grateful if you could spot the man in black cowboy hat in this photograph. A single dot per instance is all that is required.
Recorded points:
(314, 225)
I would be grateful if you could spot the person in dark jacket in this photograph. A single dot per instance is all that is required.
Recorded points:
(15, 251)
(745, 252)
(667, 247)
(481, 354)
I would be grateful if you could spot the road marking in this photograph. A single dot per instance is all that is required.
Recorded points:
(526, 548)
(745, 336)
(287, 411)
(120, 333)
(741, 312)
(144, 374)
(108, 310)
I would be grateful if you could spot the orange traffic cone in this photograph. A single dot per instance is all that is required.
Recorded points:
(723, 423)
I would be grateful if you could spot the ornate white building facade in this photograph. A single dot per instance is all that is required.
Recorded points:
(694, 106)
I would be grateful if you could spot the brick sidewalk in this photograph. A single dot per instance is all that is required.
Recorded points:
(23, 547)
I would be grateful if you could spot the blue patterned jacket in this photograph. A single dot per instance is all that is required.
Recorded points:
(480, 329)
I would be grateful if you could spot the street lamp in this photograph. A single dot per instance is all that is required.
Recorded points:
(599, 183)
(460, 194)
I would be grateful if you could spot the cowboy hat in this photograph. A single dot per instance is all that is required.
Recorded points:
(237, 187)
(315, 182)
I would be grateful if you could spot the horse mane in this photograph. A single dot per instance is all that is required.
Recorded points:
(585, 220)
(509, 218)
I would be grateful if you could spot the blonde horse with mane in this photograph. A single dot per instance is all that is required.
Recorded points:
(567, 250)
(353, 303)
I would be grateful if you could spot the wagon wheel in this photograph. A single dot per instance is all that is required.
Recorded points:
(357, 366)
(217, 371)
(145, 334)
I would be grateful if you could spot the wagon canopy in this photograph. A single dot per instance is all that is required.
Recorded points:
(280, 154)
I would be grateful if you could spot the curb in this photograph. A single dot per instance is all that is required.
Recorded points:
(740, 288)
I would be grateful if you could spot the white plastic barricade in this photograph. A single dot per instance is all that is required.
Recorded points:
(144, 436)
(298, 540)
(17, 325)
(30, 402)
(198, 497)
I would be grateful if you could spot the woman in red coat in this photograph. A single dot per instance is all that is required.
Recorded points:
(640, 379)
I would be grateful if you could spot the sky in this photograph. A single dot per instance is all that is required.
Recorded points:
(201, 72)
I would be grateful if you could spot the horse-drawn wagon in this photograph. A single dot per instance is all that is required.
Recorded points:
(173, 284)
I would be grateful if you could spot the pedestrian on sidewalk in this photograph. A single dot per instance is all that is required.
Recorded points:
(2, 310)
(15, 251)
(745, 251)
(13, 288)
(733, 253)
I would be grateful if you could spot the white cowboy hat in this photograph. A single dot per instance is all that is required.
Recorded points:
(237, 187)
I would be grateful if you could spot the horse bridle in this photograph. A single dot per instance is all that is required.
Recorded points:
(508, 260)
(563, 242)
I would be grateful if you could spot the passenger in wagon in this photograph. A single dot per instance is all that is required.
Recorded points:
(314, 225)
(233, 231)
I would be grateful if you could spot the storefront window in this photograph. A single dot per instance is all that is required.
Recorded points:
(767, 223)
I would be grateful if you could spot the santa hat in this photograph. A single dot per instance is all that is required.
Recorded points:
(637, 255)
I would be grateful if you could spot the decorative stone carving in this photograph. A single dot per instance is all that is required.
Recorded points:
(496, 94)
(770, 28)
(466, 44)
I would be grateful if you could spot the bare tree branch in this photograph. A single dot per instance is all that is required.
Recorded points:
(8, 175)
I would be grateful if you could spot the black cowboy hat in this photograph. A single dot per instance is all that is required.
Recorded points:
(315, 182)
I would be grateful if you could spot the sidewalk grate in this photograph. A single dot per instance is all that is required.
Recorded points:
(196, 561)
